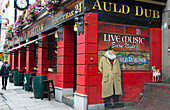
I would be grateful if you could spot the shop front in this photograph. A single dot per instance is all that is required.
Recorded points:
(68, 48)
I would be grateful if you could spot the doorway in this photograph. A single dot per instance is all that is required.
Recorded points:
(75, 63)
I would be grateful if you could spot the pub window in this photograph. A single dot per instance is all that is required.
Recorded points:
(52, 53)
(36, 55)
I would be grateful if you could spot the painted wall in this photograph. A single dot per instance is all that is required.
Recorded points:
(89, 80)
(133, 82)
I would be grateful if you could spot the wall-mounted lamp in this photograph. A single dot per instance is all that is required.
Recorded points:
(36, 42)
(75, 27)
(57, 34)
(78, 27)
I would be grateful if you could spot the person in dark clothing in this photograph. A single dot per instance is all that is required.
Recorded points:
(5, 74)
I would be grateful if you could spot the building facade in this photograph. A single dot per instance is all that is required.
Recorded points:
(51, 46)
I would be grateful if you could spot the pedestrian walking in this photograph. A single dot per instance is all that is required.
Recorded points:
(5, 69)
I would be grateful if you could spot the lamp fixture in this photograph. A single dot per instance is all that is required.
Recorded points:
(75, 27)
(57, 34)
(36, 42)
(79, 25)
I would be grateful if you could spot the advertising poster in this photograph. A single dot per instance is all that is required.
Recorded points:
(132, 50)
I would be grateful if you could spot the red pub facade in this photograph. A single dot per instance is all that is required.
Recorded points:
(51, 47)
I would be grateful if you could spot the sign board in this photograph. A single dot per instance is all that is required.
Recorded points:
(130, 43)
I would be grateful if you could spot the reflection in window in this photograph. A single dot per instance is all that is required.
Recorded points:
(52, 53)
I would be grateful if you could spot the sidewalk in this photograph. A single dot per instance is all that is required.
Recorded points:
(15, 98)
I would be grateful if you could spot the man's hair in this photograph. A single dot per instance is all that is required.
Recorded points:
(5, 62)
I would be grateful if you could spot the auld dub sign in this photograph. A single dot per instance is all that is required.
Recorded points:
(119, 8)
(126, 12)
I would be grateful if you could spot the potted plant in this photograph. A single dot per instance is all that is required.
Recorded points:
(32, 11)
(9, 34)
(17, 27)
(52, 6)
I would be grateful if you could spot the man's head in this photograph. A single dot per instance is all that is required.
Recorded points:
(5, 62)
(110, 54)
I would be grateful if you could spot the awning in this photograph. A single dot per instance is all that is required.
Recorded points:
(29, 42)
(24, 44)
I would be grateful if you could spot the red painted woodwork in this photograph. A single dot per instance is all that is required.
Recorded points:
(52, 76)
(65, 51)
(65, 58)
(92, 58)
(82, 89)
(92, 69)
(65, 77)
(68, 60)
(156, 48)
(111, 28)
(92, 94)
(30, 62)
(62, 84)
(64, 68)
(87, 69)
(81, 48)
(81, 69)
(87, 55)
(9, 59)
(81, 39)
(43, 62)
(82, 80)
(21, 59)
(14, 59)
(130, 30)
(81, 59)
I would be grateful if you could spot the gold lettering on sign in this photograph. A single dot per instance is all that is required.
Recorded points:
(34, 31)
(125, 9)
(104, 3)
(156, 14)
(149, 13)
(115, 8)
(98, 5)
(77, 9)
(137, 11)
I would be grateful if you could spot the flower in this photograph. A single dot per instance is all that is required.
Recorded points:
(17, 29)
(9, 33)
(52, 6)
(32, 11)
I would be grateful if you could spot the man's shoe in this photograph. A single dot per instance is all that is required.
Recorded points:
(2, 88)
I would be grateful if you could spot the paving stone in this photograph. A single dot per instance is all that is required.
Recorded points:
(15, 98)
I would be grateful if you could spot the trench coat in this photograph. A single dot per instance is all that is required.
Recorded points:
(111, 76)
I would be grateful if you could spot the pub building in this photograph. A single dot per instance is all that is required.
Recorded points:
(67, 47)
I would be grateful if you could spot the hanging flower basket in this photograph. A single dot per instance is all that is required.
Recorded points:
(9, 33)
(32, 11)
(52, 6)
(17, 29)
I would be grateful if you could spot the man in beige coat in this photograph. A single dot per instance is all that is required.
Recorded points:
(111, 78)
